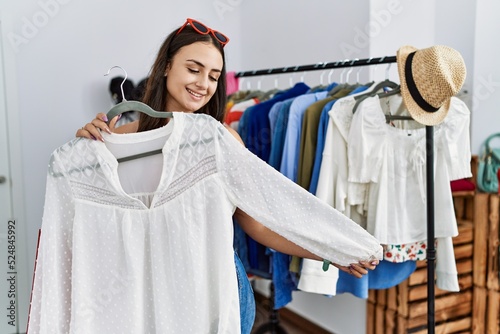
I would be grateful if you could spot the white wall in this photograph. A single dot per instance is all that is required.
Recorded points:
(486, 79)
(458, 31)
(56, 52)
(287, 33)
(396, 23)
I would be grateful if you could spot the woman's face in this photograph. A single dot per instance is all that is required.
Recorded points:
(192, 77)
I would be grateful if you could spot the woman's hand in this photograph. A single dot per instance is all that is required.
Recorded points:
(358, 269)
(93, 129)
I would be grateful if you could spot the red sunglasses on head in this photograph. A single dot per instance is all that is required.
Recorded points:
(204, 30)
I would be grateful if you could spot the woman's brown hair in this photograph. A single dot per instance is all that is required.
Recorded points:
(155, 94)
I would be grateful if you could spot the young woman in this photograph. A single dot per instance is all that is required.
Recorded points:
(189, 76)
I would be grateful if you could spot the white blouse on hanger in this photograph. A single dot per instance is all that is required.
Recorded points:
(393, 162)
(161, 260)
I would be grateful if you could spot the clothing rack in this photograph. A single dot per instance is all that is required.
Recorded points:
(431, 250)
(319, 66)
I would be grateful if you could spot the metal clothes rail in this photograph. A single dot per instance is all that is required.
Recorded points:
(319, 66)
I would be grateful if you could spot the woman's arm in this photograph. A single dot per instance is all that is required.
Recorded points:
(270, 239)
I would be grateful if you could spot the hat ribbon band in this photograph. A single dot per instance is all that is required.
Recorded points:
(412, 87)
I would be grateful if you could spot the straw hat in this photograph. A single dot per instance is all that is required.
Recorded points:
(429, 78)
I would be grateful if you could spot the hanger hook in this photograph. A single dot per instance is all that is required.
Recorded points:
(387, 71)
(350, 70)
(330, 76)
(347, 75)
(240, 82)
(331, 73)
(125, 79)
(357, 74)
(322, 73)
(343, 71)
(292, 76)
(372, 73)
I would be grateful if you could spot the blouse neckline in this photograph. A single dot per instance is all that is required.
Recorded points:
(172, 131)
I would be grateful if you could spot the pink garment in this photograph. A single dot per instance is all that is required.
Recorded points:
(232, 84)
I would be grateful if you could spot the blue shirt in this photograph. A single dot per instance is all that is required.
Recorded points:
(320, 144)
(279, 133)
(273, 115)
(384, 276)
(289, 160)
(258, 134)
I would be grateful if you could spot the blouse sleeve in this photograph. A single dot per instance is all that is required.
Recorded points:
(456, 140)
(287, 209)
(50, 309)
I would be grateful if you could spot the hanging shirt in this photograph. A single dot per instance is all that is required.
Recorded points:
(162, 261)
(342, 195)
(396, 201)
(308, 137)
(236, 111)
(279, 134)
(273, 116)
(258, 133)
(320, 143)
(290, 158)
(392, 160)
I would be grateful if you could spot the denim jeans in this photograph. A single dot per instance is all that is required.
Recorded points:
(247, 300)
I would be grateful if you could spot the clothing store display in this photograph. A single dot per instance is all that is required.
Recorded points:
(430, 79)
(348, 197)
(355, 197)
(428, 101)
(392, 161)
(155, 254)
